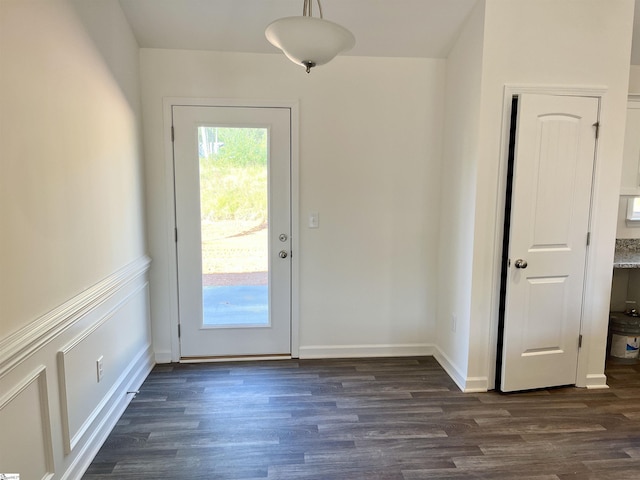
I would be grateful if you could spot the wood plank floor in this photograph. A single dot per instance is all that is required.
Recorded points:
(373, 419)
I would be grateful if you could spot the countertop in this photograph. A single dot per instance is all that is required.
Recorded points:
(627, 254)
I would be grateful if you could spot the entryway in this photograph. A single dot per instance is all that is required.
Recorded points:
(232, 171)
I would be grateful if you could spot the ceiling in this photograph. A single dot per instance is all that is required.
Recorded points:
(383, 28)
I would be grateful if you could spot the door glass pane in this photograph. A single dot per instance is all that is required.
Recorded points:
(234, 225)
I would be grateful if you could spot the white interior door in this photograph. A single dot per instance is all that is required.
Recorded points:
(550, 209)
(233, 202)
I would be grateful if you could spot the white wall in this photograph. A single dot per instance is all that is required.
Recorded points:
(625, 284)
(72, 249)
(69, 149)
(634, 79)
(622, 231)
(370, 136)
(459, 165)
(555, 43)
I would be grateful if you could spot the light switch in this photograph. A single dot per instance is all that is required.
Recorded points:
(314, 220)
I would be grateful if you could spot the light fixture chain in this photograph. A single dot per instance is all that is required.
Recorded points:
(320, 8)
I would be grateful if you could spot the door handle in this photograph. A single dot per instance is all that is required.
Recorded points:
(283, 254)
(521, 263)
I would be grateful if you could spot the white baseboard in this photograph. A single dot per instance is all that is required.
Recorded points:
(355, 351)
(476, 385)
(450, 368)
(163, 357)
(596, 381)
(465, 384)
(137, 373)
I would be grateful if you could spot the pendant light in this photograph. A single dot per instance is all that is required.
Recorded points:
(307, 40)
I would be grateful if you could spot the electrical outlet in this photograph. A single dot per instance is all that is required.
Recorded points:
(99, 368)
(454, 322)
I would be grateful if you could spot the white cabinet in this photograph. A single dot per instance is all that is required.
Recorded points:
(631, 162)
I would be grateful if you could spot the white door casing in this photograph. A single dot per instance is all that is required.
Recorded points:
(554, 158)
(197, 340)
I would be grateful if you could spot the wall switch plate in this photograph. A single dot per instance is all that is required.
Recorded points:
(99, 368)
(314, 220)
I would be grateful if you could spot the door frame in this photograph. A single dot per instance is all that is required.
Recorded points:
(170, 225)
(583, 379)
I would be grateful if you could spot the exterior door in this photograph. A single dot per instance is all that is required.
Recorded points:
(550, 210)
(232, 199)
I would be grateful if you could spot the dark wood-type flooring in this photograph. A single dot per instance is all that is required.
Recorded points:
(373, 419)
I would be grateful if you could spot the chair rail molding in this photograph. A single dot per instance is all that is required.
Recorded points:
(18, 346)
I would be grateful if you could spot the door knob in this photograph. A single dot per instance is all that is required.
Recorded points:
(283, 254)
(521, 263)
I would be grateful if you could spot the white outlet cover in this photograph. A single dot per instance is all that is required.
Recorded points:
(99, 368)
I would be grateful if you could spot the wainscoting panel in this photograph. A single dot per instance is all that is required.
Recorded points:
(113, 341)
(24, 420)
(54, 413)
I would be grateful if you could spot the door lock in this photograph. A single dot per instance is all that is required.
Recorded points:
(283, 237)
(283, 254)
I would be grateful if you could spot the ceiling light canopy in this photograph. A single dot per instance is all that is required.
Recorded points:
(308, 40)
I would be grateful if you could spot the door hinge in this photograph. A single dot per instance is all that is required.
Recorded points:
(579, 341)
(179, 332)
(173, 134)
(175, 234)
(588, 238)
(597, 125)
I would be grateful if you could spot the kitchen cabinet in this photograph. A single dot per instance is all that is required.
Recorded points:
(631, 157)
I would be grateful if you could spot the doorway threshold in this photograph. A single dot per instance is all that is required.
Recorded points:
(235, 358)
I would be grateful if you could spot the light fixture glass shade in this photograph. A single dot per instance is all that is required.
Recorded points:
(309, 41)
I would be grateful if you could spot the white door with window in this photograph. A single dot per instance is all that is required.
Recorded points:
(233, 230)
(550, 211)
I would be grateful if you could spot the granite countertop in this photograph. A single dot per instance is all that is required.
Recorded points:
(627, 254)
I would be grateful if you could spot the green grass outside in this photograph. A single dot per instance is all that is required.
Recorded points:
(233, 200)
